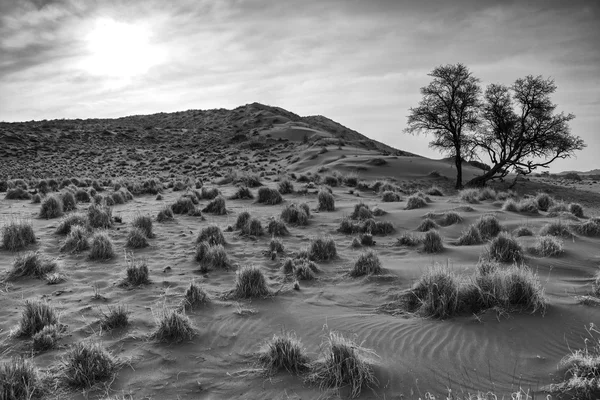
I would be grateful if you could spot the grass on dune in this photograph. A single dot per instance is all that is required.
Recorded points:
(101, 247)
(283, 352)
(368, 263)
(17, 234)
(35, 316)
(116, 317)
(31, 264)
(87, 364)
(20, 379)
(250, 282)
(172, 326)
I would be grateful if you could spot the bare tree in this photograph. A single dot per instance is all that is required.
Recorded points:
(520, 131)
(449, 111)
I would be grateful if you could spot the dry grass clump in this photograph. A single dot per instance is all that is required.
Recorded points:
(435, 294)
(242, 220)
(344, 363)
(366, 239)
(544, 201)
(276, 245)
(216, 206)
(548, 246)
(211, 234)
(117, 197)
(65, 225)
(434, 191)
(284, 351)
(415, 201)
(588, 228)
(194, 296)
(469, 196)
(558, 208)
(408, 239)
(17, 234)
(322, 248)
(470, 236)
(326, 201)
(116, 317)
(285, 187)
(211, 256)
(389, 196)
(46, 338)
(556, 228)
(576, 209)
(242, 193)
(165, 214)
(36, 199)
(368, 263)
(35, 316)
(296, 214)
(250, 283)
(87, 363)
(51, 207)
(143, 222)
(183, 205)
(31, 264)
(209, 194)
(504, 248)
(528, 206)
(19, 379)
(82, 196)
(101, 247)
(361, 212)
(447, 218)
(488, 226)
(426, 225)
(137, 272)
(522, 231)
(432, 242)
(136, 238)
(253, 228)
(304, 272)
(277, 227)
(99, 216)
(17, 193)
(173, 326)
(269, 196)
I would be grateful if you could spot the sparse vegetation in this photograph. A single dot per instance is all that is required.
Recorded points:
(326, 201)
(88, 363)
(211, 234)
(51, 207)
(31, 264)
(548, 246)
(432, 242)
(17, 235)
(283, 352)
(173, 326)
(504, 248)
(101, 246)
(367, 264)
(269, 196)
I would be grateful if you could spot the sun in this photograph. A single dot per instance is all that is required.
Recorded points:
(120, 50)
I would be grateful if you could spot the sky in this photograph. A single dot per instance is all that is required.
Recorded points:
(358, 62)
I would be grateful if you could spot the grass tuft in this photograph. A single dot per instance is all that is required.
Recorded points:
(216, 206)
(211, 234)
(427, 224)
(101, 247)
(35, 316)
(51, 207)
(250, 283)
(548, 246)
(488, 226)
(99, 216)
(322, 249)
(283, 352)
(65, 224)
(269, 196)
(136, 238)
(504, 248)
(415, 201)
(17, 234)
(31, 264)
(173, 326)
(19, 379)
(471, 236)
(326, 201)
(277, 227)
(116, 317)
(87, 363)
(367, 264)
(432, 242)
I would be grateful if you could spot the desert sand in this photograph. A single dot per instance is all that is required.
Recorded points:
(488, 351)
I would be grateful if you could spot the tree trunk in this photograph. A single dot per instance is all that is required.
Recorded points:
(481, 180)
(458, 163)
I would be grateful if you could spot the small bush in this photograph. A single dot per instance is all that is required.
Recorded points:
(216, 206)
(211, 234)
(548, 246)
(144, 223)
(17, 234)
(101, 247)
(470, 237)
(522, 231)
(35, 316)
(367, 264)
(408, 239)
(366, 239)
(99, 217)
(277, 227)
(576, 209)
(283, 351)
(86, 364)
(117, 317)
(555, 228)
(303, 272)
(19, 379)
(137, 272)
(242, 193)
(504, 248)
(269, 196)
(488, 226)
(165, 214)
(389, 196)
(183, 205)
(322, 249)
(65, 225)
(528, 206)
(544, 201)
(136, 238)
(326, 201)
(469, 196)
(434, 191)
(276, 245)
(17, 193)
(36, 199)
(558, 208)
(76, 241)
(82, 196)
(361, 212)
(285, 187)
(588, 228)
(288, 266)
(31, 264)
(296, 214)
(173, 326)
(209, 194)
(510, 205)
(415, 201)
(253, 228)
(426, 225)
(46, 338)
(51, 207)
(194, 296)
(432, 242)
(250, 283)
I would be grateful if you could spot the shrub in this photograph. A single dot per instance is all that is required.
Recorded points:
(277, 227)
(117, 317)
(136, 273)
(504, 248)
(253, 228)
(296, 214)
(46, 338)
(558, 208)
(31, 264)
(588, 228)
(108, 201)
(17, 193)
(366, 239)
(303, 272)
(136, 238)
(544, 201)
(65, 225)
(99, 217)
(35, 316)
(183, 205)
(212, 235)
(576, 209)
(389, 196)
(470, 237)
(209, 194)
(469, 196)
(326, 201)
(101, 247)
(76, 241)
(242, 220)
(19, 379)
(51, 207)
(487, 194)
(17, 234)
(283, 351)
(322, 249)
(194, 296)
(415, 201)
(432, 242)
(555, 228)
(435, 294)
(548, 246)
(367, 264)
(144, 223)
(522, 231)
(510, 205)
(242, 193)
(427, 224)
(216, 206)
(36, 199)
(250, 283)
(165, 214)
(285, 187)
(87, 363)
(276, 245)
(117, 197)
(344, 363)
(82, 196)
(361, 212)
(408, 239)
(173, 326)
(434, 191)
(528, 206)
(269, 196)
(488, 226)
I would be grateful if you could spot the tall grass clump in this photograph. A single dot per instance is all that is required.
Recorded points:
(522, 231)
(194, 296)
(283, 352)
(136, 238)
(344, 363)
(51, 207)
(285, 187)
(17, 193)
(116, 317)
(488, 226)
(136, 273)
(76, 241)
(504, 248)
(143, 222)
(269, 196)
(183, 205)
(173, 326)
(415, 201)
(296, 214)
(165, 214)
(469, 196)
(99, 216)
(19, 379)
(211, 256)
(544, 201)
(432, 242)
(368, 263)
(87, 364)
(65, 225)
(277, 227)
(101, 247)
(588, 228)
(17, 234)
(242, 193)
(434, 191)
(426, 225)
(31, 264)
(211, 234)
(46, 338)
(388, 196)
(242, 220)
(253, 228)
(556, 228)
(576, 209)
(216, 206)
(250, 283)
(35, 316)
(548, 246)
(435, 294)
(361, 212)
(68, 200)
(322, 249)
(326, 201)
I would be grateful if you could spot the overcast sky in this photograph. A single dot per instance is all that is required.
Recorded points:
(359, 62)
